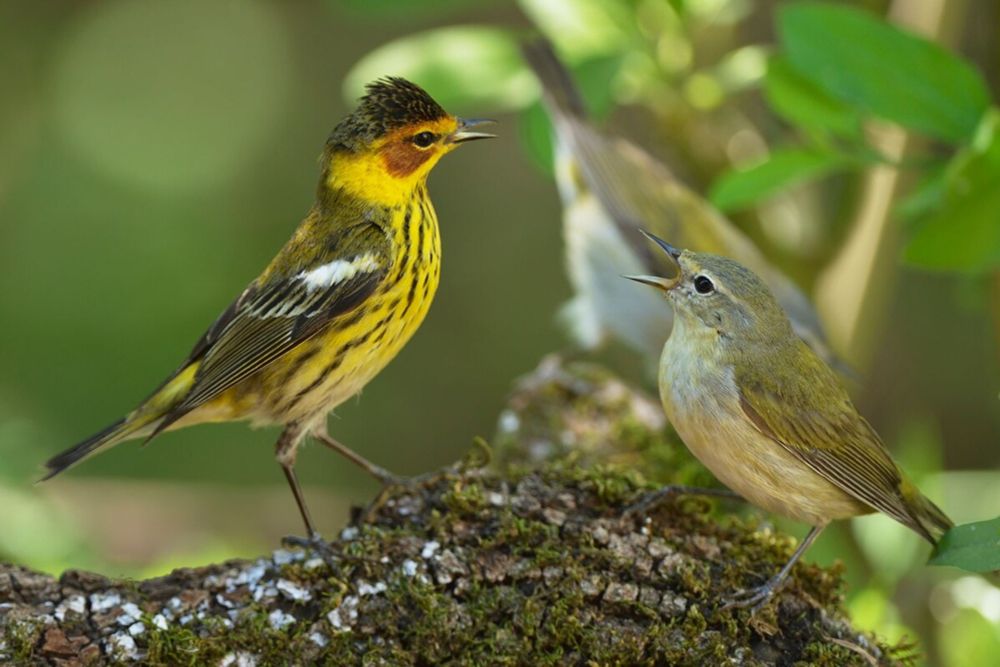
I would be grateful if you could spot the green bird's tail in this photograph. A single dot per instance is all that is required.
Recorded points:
(559, 93)
(925, 518)
(932, 518)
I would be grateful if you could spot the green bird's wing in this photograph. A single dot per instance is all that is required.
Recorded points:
(812, 417)
(277, 313)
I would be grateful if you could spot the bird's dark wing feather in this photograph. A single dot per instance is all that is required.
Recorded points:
(272, 317)
(823, 429)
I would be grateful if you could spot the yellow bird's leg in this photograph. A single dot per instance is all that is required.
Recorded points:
(757, 597)
(285, 451)
(385, 477)
(654, 498)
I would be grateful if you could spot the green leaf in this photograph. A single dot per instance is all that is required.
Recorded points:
(782, 169)
(584, 28)
(963, 236)
(804, 104)
(927, 196)
(535, 131)
(468, 69)
(405, 10)
(593, 77)
(974, 547)
(963, 231)
(883, 70)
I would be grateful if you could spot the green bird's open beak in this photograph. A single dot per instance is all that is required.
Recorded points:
(665, 284)
(673, 252)
(466, 130)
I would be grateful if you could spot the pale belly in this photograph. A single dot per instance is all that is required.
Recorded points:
(702, 404)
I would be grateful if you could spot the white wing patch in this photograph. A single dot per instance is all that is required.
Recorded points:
(337, 271)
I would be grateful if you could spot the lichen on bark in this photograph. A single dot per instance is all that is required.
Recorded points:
(514, 564)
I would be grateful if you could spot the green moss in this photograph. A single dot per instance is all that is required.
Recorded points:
(527, 595)
(176, 645)
(531, 562)
(530, 568)
(20, 638)
(465, 499)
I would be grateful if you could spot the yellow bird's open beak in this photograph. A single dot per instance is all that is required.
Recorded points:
(466, 130)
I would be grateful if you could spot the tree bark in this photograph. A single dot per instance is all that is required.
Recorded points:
(511, 564)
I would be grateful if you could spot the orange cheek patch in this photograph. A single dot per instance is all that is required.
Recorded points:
(402, 159)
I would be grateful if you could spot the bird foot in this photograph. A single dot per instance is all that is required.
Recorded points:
(755, 598)
(395, 483)
(314, 543)
(392, 481)
(389, 479)
(653, 498)
(647, 502)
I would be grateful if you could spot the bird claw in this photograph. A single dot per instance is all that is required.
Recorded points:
(755, 598)
(389, 479)
(391, 482)
(648, 501)
(314, 543)
(653, 498)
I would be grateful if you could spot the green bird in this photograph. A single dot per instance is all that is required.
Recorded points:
(610, 188)
(765, 414)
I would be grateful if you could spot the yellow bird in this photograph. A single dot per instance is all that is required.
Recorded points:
(766, 415)
(336, 304)
(611, 188)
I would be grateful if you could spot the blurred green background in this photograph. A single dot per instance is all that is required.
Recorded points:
(154, 156)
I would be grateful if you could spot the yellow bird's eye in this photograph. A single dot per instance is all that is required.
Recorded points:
(424, 139)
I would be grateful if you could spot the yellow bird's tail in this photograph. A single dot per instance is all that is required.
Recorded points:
(141, 422)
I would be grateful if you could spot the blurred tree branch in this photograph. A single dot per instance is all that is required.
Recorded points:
(852, 293)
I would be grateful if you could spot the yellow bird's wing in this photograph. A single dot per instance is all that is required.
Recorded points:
(274, 315)
(812, 417)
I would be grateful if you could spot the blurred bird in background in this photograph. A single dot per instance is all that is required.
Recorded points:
(335, 305)
(610, 188)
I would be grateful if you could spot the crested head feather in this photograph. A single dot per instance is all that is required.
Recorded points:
(388, 104)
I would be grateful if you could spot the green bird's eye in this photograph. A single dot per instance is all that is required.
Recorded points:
(703, 285)
(424, 139)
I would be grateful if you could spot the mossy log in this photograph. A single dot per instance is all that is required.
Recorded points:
(511, 564)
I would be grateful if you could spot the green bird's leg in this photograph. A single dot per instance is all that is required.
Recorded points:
(654, 498)
(756, 597)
